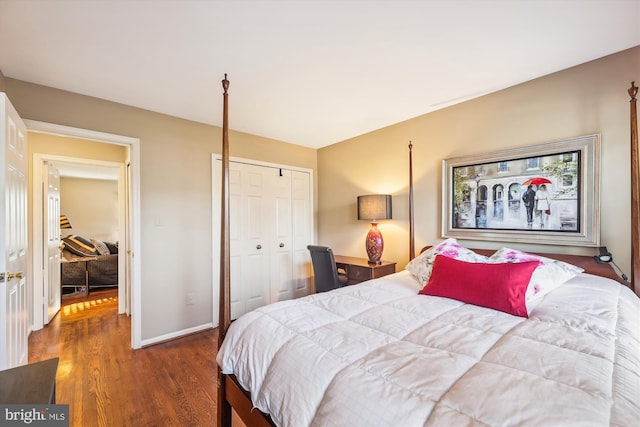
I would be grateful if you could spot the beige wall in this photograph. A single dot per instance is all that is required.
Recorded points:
(92, 207)
(2, 82)
(74, 147)
(590, 98)
(175, 173)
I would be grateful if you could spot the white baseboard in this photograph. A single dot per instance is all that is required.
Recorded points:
(175, 335)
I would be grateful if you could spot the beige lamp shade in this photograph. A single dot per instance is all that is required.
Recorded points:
(374, 207)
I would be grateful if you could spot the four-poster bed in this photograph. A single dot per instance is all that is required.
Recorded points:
(574, 355)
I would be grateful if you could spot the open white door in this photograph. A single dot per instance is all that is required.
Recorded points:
(14, 315)
(51, 240)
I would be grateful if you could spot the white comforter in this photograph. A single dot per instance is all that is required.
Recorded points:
(378, 354)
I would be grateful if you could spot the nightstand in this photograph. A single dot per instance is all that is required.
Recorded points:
(359, 269)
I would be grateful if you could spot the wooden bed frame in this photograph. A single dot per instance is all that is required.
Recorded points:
(231, 395)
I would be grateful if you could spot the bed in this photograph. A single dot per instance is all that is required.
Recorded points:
(556, 342)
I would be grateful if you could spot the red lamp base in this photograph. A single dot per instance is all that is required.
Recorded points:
(374, 244)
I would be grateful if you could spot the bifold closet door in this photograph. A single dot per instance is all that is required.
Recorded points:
(270, 228)
(280, 249)
(249, 191)
(301, 233)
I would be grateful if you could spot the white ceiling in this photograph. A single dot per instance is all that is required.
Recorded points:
(70, 169)
(307, 72)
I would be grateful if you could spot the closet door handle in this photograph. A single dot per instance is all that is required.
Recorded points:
(281, 245)
(258, 246)
(18, 275)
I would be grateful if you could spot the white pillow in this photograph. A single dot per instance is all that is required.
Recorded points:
(420, 267)
(546, 277)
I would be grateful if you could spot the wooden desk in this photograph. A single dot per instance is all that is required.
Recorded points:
(359, 269)
(32, 384)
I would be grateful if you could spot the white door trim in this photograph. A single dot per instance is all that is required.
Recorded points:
(134, 200)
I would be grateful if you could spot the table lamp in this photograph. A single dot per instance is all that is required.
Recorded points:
(374, 207)
(64, 222)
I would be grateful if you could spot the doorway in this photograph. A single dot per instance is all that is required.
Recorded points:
(95, 200)
(129, 218)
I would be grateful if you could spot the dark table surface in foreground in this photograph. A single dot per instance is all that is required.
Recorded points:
(34, 383)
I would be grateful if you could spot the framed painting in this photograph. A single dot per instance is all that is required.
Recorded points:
(546, 193)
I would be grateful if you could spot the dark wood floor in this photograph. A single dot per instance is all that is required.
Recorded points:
(106, 383)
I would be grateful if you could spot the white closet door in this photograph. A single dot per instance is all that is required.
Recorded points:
(250, 189)
(301, 232)
(268, 240)
(281, 239)
(235, 237)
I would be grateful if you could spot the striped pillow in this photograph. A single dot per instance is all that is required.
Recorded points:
(101, 247)
(79, 246)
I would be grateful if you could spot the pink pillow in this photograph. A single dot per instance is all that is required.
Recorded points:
(498, 286)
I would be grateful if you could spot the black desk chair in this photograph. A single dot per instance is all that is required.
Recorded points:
(325, 269)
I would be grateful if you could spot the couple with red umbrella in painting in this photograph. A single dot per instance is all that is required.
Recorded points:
(537, 200)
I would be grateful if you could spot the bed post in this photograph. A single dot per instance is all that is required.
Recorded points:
(224, 319)
(635, 193)
(412, 247)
